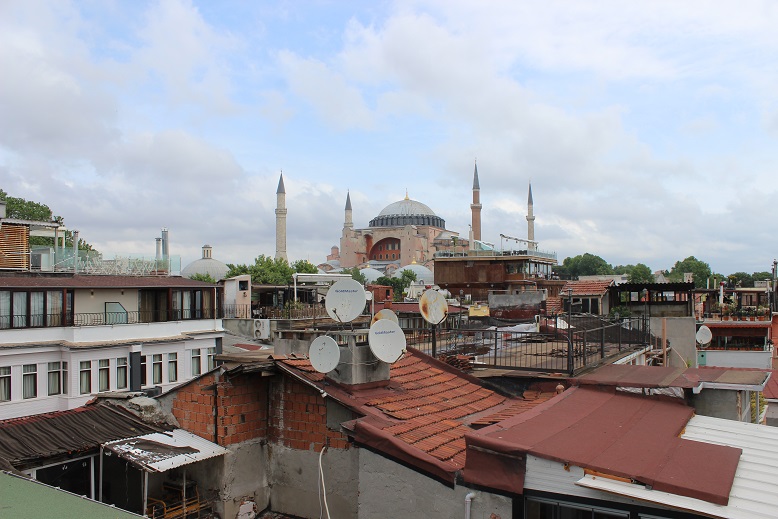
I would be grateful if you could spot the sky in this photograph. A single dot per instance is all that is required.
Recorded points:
(648, 129)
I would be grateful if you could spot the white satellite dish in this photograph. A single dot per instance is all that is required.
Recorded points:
(345, 300)
(324, 354)
(704, 336)
(386, 340)
(433, 306)
(386, 313)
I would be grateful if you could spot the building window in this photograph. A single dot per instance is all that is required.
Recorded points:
(121, 373)
(172, 367)
(103, 375)
(56, 381)
(196, 362)
(211, 360)
(85, 377)
(143, 378)
(5, 383)
(156, 369)
(30, 380)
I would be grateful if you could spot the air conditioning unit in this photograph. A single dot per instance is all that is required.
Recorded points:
(262, 329)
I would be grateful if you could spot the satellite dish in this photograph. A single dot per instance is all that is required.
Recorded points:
(386, 340)
(433, 306)
(386, 313)
(704, 336)
(345, 300)
(324, 354)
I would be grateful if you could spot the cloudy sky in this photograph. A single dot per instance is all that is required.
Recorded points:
(648, 129)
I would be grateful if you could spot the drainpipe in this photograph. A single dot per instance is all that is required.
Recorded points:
(468, 501)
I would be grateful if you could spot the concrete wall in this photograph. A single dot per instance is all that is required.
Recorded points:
(681, 338)
(295, 475)
(723, 403)
(737, 359)
(244, 477)
(389, 489)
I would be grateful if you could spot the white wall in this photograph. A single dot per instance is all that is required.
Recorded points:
(93, 301)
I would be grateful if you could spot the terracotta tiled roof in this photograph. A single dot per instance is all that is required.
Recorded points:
(553, 305)
(587, 288)
(423, 414)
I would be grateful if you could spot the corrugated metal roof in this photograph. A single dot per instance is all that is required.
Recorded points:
(587, 288)
(160, 452)
(25, 442)
(754, 493)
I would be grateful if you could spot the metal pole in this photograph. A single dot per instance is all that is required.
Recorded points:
(570, 330)
(145, 491)
(101, 475)
(434, 341)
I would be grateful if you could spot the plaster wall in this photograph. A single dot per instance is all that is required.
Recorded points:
(681, 338)
(723, 403)
(244, 477)
(738, 359)
(242, 327)
(85, 302)
(295, 477)
(389, 489)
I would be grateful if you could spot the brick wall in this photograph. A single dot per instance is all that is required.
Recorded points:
(298, 417)
(242, 408)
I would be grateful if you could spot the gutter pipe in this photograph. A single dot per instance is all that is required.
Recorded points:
(468, 501)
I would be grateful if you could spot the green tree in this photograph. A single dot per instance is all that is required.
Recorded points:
(762, 276)
(399, 285)
(623, 269)
(304, 267)
(700, 270)
(264, 271)
(640, 273)
(356, 275)
(586, 265)
(22, 209)
(205, 278)
(741, 279)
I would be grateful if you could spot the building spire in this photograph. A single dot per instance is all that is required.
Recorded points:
(281, 219)
(475, 209)
(530, 222)
(348, 222)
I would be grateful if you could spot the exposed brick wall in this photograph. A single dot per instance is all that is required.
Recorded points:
(242, 408)
(298, 417)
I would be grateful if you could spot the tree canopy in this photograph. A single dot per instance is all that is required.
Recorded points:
(271, 271)
(22, 209)
(206, 278)
(586, 265)
(700, 270)
(399, 285)
(356, 274)
(640, 273)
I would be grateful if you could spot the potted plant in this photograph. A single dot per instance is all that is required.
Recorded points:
(761, 312)
(726, 311)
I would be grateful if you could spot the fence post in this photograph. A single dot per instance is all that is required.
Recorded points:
(619, 325)
(602, 343)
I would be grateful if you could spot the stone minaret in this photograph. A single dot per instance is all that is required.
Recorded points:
(530, 222)
(281, 220)
(348, 223)
(475, 207)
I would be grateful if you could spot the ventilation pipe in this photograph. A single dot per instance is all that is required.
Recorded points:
(2, 209)
(159, 249)
(468, 501)
(75, 252)
(165, 244)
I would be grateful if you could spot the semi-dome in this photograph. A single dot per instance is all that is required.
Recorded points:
(407, 212)
(206, 266)
(371, 274)
(422, 273)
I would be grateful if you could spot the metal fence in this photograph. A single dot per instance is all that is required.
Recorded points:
(552, 346)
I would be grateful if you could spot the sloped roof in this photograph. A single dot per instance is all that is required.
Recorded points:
(587, 288)
(423, 414)
(624, 375)
(616, 433)
(28, 440)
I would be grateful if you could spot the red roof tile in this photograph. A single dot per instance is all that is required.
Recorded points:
(424, 413)
(587, 288)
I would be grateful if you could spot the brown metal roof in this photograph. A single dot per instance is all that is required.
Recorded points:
(26, 442)
(657, 377)
(587, 288)
(95, 281)
(621, 434)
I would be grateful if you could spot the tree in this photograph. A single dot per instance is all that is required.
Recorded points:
(304, 267)
(264, 271)
(205, 278)
(399, 285)
(22, 209)
(586, 265)
(623, 269)
(640, 273)
(741, 279)
(700, 270)
(356, 274)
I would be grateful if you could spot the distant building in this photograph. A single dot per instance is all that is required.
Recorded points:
(206, 265)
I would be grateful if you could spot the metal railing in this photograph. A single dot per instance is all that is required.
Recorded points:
(554, 348)
(103, 318)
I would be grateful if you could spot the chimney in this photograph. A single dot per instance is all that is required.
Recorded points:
(2, 209)
(358, 364)
(165, 244)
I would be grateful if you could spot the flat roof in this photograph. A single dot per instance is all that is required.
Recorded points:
(99, 281)
(624, 375)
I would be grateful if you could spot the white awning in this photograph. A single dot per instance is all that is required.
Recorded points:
(160, 452)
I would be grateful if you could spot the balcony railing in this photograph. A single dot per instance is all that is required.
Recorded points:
(103, 318)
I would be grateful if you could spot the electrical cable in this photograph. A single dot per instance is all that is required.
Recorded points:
(323, 489)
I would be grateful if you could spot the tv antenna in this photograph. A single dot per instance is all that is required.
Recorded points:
(386, 340)
(324, 354)
(345, 300)
(434, 309)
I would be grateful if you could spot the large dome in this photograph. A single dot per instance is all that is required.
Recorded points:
(206, 265)
(407, 212)
(423, 274)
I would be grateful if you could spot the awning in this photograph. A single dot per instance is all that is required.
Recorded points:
(160, 452)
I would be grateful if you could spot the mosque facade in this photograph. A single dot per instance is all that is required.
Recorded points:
(403, 234)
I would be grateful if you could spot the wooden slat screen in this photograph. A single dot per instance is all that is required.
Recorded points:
(14, 247)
